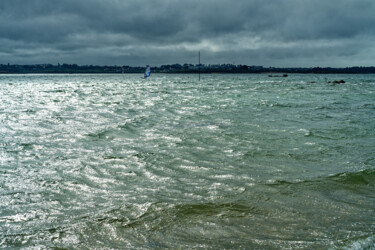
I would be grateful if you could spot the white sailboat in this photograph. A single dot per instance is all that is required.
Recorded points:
(148, 71)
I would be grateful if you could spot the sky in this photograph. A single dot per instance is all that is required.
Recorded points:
(274, 33)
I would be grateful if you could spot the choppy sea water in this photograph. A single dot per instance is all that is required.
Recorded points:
(231, 161)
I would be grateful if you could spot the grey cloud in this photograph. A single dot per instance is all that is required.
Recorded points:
(138, 32)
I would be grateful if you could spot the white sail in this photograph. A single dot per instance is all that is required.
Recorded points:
(148, 71)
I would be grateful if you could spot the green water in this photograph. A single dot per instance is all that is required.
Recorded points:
(231, 161)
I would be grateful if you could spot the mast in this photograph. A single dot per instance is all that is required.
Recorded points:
(199, 65)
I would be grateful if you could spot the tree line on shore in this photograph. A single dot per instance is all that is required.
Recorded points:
(175, 68)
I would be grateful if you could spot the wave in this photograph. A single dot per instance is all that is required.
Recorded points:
(102, 135)
(362, 178)
(113, 132)
(362, 243)
(353, 189)
(245, 222)
(55, 91)
(153, 217)
(365, 178)
(229, 223)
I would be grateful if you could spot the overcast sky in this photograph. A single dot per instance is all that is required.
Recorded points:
(278, 33)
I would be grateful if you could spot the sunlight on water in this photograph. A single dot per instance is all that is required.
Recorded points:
(231, 161)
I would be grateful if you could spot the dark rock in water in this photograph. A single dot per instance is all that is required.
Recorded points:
(341, 81)
(284, 75)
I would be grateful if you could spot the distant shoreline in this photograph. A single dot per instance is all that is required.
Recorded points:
(175, 69)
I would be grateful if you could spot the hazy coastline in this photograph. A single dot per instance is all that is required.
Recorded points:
(176, 68)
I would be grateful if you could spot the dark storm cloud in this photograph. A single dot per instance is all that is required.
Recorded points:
(137, 32)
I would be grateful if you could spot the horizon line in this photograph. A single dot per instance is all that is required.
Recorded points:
(182, 64)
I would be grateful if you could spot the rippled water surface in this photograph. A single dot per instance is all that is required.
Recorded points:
(231, 161)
